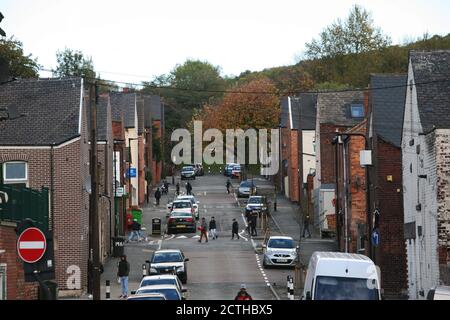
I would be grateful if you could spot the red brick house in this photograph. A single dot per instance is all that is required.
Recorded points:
(49, 147)
(336, 112)
(383, 127)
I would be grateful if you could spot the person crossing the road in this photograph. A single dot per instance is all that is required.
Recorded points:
(203, 230)
(306, 227)
(212, 228)
(188, 188)
(136, 231)
(228, 186)
(234, 229)
(243, 294)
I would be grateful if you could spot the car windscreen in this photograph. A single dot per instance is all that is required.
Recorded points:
(167, 257)
(153, 282)
(281, 243)
(187, 169)
(182, 205)
(340, 288)
(170, 294)
(191, 199)
(246, 184)
(255, 200)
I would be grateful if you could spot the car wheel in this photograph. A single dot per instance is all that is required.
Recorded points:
(265, 266)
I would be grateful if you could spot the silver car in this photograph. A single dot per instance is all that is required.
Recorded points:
(280, 251)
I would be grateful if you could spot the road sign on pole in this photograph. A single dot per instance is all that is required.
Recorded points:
(31, 245)
(376, 238)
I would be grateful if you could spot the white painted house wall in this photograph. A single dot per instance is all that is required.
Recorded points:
(309, 152)
(422, 264)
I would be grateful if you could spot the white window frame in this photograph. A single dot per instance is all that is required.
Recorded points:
(14, 181)
(3, 282)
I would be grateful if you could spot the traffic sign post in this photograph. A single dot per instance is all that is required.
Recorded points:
(375, 238)
(31, 245)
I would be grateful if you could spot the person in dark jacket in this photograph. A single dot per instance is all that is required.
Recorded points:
(212, 228)
(306, 227)
(234, 229)
(252, 223)
(135, 231)
(157, 196)
(228, 186)
(178, 188)
(123, 271)
(188, 188)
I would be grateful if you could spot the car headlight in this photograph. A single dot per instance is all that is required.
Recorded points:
(180, 269)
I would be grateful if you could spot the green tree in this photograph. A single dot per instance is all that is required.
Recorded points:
(73, 63)
(355, 35)
(19, 64)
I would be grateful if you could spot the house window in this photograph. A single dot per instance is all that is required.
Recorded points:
(15, 173)
(357, 111)
(2, 281)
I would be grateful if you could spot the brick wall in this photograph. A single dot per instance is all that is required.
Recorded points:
(391, 255)
(327, 152)
(16, 287)
(293, 170)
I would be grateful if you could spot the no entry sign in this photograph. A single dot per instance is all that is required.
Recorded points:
(31, 245)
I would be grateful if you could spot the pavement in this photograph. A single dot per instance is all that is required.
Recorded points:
(217, 269)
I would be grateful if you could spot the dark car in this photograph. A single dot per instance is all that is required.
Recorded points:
(187, 172)
(182, 221)
(169, 261)
(227, 170)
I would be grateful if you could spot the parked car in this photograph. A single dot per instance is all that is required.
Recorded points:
(228, 168)
(147, 296)
(236, 171)
(169, 261)
(258, 203)
(341, 276)
(280, 251)
(195, 203)
(199, 171)
(439, 293)
(247, 188)
(187, 172)
(169, 291)
(181, 221)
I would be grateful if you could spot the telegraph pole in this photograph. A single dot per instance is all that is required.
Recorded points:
(94, 252)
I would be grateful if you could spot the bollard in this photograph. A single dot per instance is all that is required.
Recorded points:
(108, 290)
(144, 270)
(290, 287)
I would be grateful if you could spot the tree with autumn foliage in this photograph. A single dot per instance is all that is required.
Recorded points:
(251, 105)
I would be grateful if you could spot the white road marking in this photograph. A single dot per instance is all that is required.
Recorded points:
(170, 238)
(196, 236)
(181, 237)
(159, 244)
(205, 193)
(240, 234)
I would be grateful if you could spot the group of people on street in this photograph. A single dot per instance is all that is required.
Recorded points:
(252, 217)
(204, 230)
(164, 189)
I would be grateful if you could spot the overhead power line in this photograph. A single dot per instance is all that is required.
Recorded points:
(284, 93)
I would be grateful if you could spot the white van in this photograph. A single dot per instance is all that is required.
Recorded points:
(341, 276)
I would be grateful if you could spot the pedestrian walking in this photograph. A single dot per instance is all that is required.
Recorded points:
(228, 186)
(188, 188)
(135, 231)
(253, 219)
(157, 195)
(123, 270)
(234, 229)
(212, 228)
(203, 230)
(306, 227)
(178, 188)
(243, 294)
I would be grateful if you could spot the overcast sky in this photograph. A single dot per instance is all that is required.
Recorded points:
(147, 38)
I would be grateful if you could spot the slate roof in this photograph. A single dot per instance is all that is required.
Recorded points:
(388, 106)
(308, 111)
(102, 118)
(433, 98)
(156, 107)
(52, 108)
(334, 107)
(123, 105)
(284, 115)
(148, 111)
